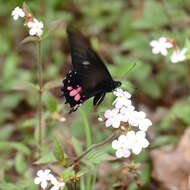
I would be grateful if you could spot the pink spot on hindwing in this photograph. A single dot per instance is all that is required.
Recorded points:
(69, 88)
(76, 106)
(77, 97)
(73, 92)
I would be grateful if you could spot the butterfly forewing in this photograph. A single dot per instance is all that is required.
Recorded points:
(86, 61)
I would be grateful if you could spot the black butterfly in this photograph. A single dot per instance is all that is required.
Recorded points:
(89, 76)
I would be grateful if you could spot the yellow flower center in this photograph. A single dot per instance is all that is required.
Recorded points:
(121, 147)
(136, 141)
(112, 116)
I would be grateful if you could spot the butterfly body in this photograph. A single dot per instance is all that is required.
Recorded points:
(89, 76)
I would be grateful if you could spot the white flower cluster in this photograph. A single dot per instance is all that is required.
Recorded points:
(35, 26)
(45, 176)
(124, 114)
(162, 44)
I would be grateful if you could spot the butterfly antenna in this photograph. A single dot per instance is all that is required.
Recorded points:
(130, 69)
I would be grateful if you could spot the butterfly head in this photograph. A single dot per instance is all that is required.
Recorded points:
(116, 84)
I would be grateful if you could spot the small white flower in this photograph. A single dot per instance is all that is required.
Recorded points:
(56, 184)
(144, 124)
(133, 120)
(42, 177)
(113, 118)
(178, 56)
(35, 27)
(121, 146)
(62, 119)
(139, 117)
(127, 113)
(160, 46)
(17, 12)
(122, 98)
(120, 92)
(136, 141)
(100, 119)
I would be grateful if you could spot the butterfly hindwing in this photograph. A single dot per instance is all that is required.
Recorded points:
(72, 91)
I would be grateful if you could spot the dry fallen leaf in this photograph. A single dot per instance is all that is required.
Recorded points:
(171, 168)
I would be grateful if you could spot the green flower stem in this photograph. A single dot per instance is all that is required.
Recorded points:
(87, 129)
(187, 74)
(40, 106)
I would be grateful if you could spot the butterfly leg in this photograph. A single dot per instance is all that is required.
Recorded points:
(98, 98)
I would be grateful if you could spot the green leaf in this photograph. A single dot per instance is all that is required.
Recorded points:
(152, 89)
(9, 66)
(50, 101)
(77, 146)
(27, 10)
(58, 151)
(30, 122)
(67, 173)
(53, 84)
(15, 145)
(95, 157)
(142, 157)
(25, 86)
(163, 140)
(3, 144)
(140, 71)
(53, 26)
(152, 17)
(48, 158)
(20, 147)
(30, 39)
(6, 132)
(20, 163)
(10, 186)
(145, 175)
(178, 111)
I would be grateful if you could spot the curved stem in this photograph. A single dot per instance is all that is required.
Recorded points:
(77, 159)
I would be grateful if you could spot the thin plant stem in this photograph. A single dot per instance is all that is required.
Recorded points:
(187, 74)
(87, 129)
(76, 160)
(75, 185)
(88, 181)
(40, 83)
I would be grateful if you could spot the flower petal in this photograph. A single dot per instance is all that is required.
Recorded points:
(37, 180)
(164, 51)
(155, 50)
(154, 43)
(137, 149)
(108, 122)
(115, 144)
(44, 184)
(107, 113)
(126, 153)
(119, 153)
(39, 32)
(32, 31)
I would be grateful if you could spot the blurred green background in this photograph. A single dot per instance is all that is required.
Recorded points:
(120, 31)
